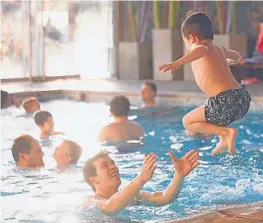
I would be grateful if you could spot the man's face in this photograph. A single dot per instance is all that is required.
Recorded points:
(147, 93)
(107, 173)
(33, 159)
(62, 155)
(33, 106)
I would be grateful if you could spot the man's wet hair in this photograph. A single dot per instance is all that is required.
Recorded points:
(120, 106)
(198, 24)
(152, 85)
(75, 151)
(89, 170)
(41, 117)
(22, 144)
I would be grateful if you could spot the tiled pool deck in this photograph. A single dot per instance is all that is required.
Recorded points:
(170, 93)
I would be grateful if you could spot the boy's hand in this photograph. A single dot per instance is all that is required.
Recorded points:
(241, 60)
(170, 66)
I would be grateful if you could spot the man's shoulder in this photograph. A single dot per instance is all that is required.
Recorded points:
(135, 124)
(110, 126)
(114, 125)
(91, 201)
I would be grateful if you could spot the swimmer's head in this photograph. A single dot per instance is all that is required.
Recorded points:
(68, 152)
(27, 152)
(31, 105)
(120, 106)
(149, 92)
(196, 27)
(82, 97)
(8, 99)
(44, 121)
(100, 172)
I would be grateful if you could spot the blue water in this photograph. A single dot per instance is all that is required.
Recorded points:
(53, 196)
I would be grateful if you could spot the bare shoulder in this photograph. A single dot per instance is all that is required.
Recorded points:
(201, 45)
(89, 202)
(138, 129)
(109, 127)
(105, 133)
(136, 125)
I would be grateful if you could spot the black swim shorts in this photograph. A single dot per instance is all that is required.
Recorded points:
(228, 106)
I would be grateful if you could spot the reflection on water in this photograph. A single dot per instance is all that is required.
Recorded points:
(51, 195)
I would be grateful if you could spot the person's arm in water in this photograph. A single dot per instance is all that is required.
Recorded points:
(182, 167)
(195, 54)
(233, 55)
(121, 199)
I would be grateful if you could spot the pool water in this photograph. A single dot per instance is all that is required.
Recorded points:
(53, 196)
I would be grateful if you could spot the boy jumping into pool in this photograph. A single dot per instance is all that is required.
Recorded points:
(228, 101)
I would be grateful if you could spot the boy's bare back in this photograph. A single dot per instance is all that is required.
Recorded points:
(212, 73)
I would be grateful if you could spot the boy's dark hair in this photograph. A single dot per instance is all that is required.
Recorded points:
(152, 86)
(41, 117)
(75, 151)
(89, 170)
(120, 106)
(22, 144)
(198, 24)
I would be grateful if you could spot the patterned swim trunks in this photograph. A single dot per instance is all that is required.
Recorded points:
(228, 106)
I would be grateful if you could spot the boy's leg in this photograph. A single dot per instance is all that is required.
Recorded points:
(195, 121)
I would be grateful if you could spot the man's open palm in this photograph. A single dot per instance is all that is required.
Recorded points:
(186, 164)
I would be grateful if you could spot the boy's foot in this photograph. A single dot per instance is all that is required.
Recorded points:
(226, 143)
(221, 147)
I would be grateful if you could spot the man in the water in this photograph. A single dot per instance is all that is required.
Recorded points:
(148, 94)
(31, 105)
(27, 152)
(101, 173)
(45, 122)
(8, 100)
(67, 153)
(121, 129)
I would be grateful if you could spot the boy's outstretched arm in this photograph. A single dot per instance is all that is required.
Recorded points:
(182, 167)
(196, 53)
(232, 54)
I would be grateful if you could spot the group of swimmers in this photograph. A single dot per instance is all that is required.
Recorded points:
(228, 102)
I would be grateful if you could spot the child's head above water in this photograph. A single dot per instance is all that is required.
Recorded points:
(45, 122)
(31, 105)
(196, 27)
(68, 152)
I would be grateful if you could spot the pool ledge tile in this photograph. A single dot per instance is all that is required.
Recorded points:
(249, 213)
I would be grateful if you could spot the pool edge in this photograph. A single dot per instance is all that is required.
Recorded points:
(250, 213)
(166, 99)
